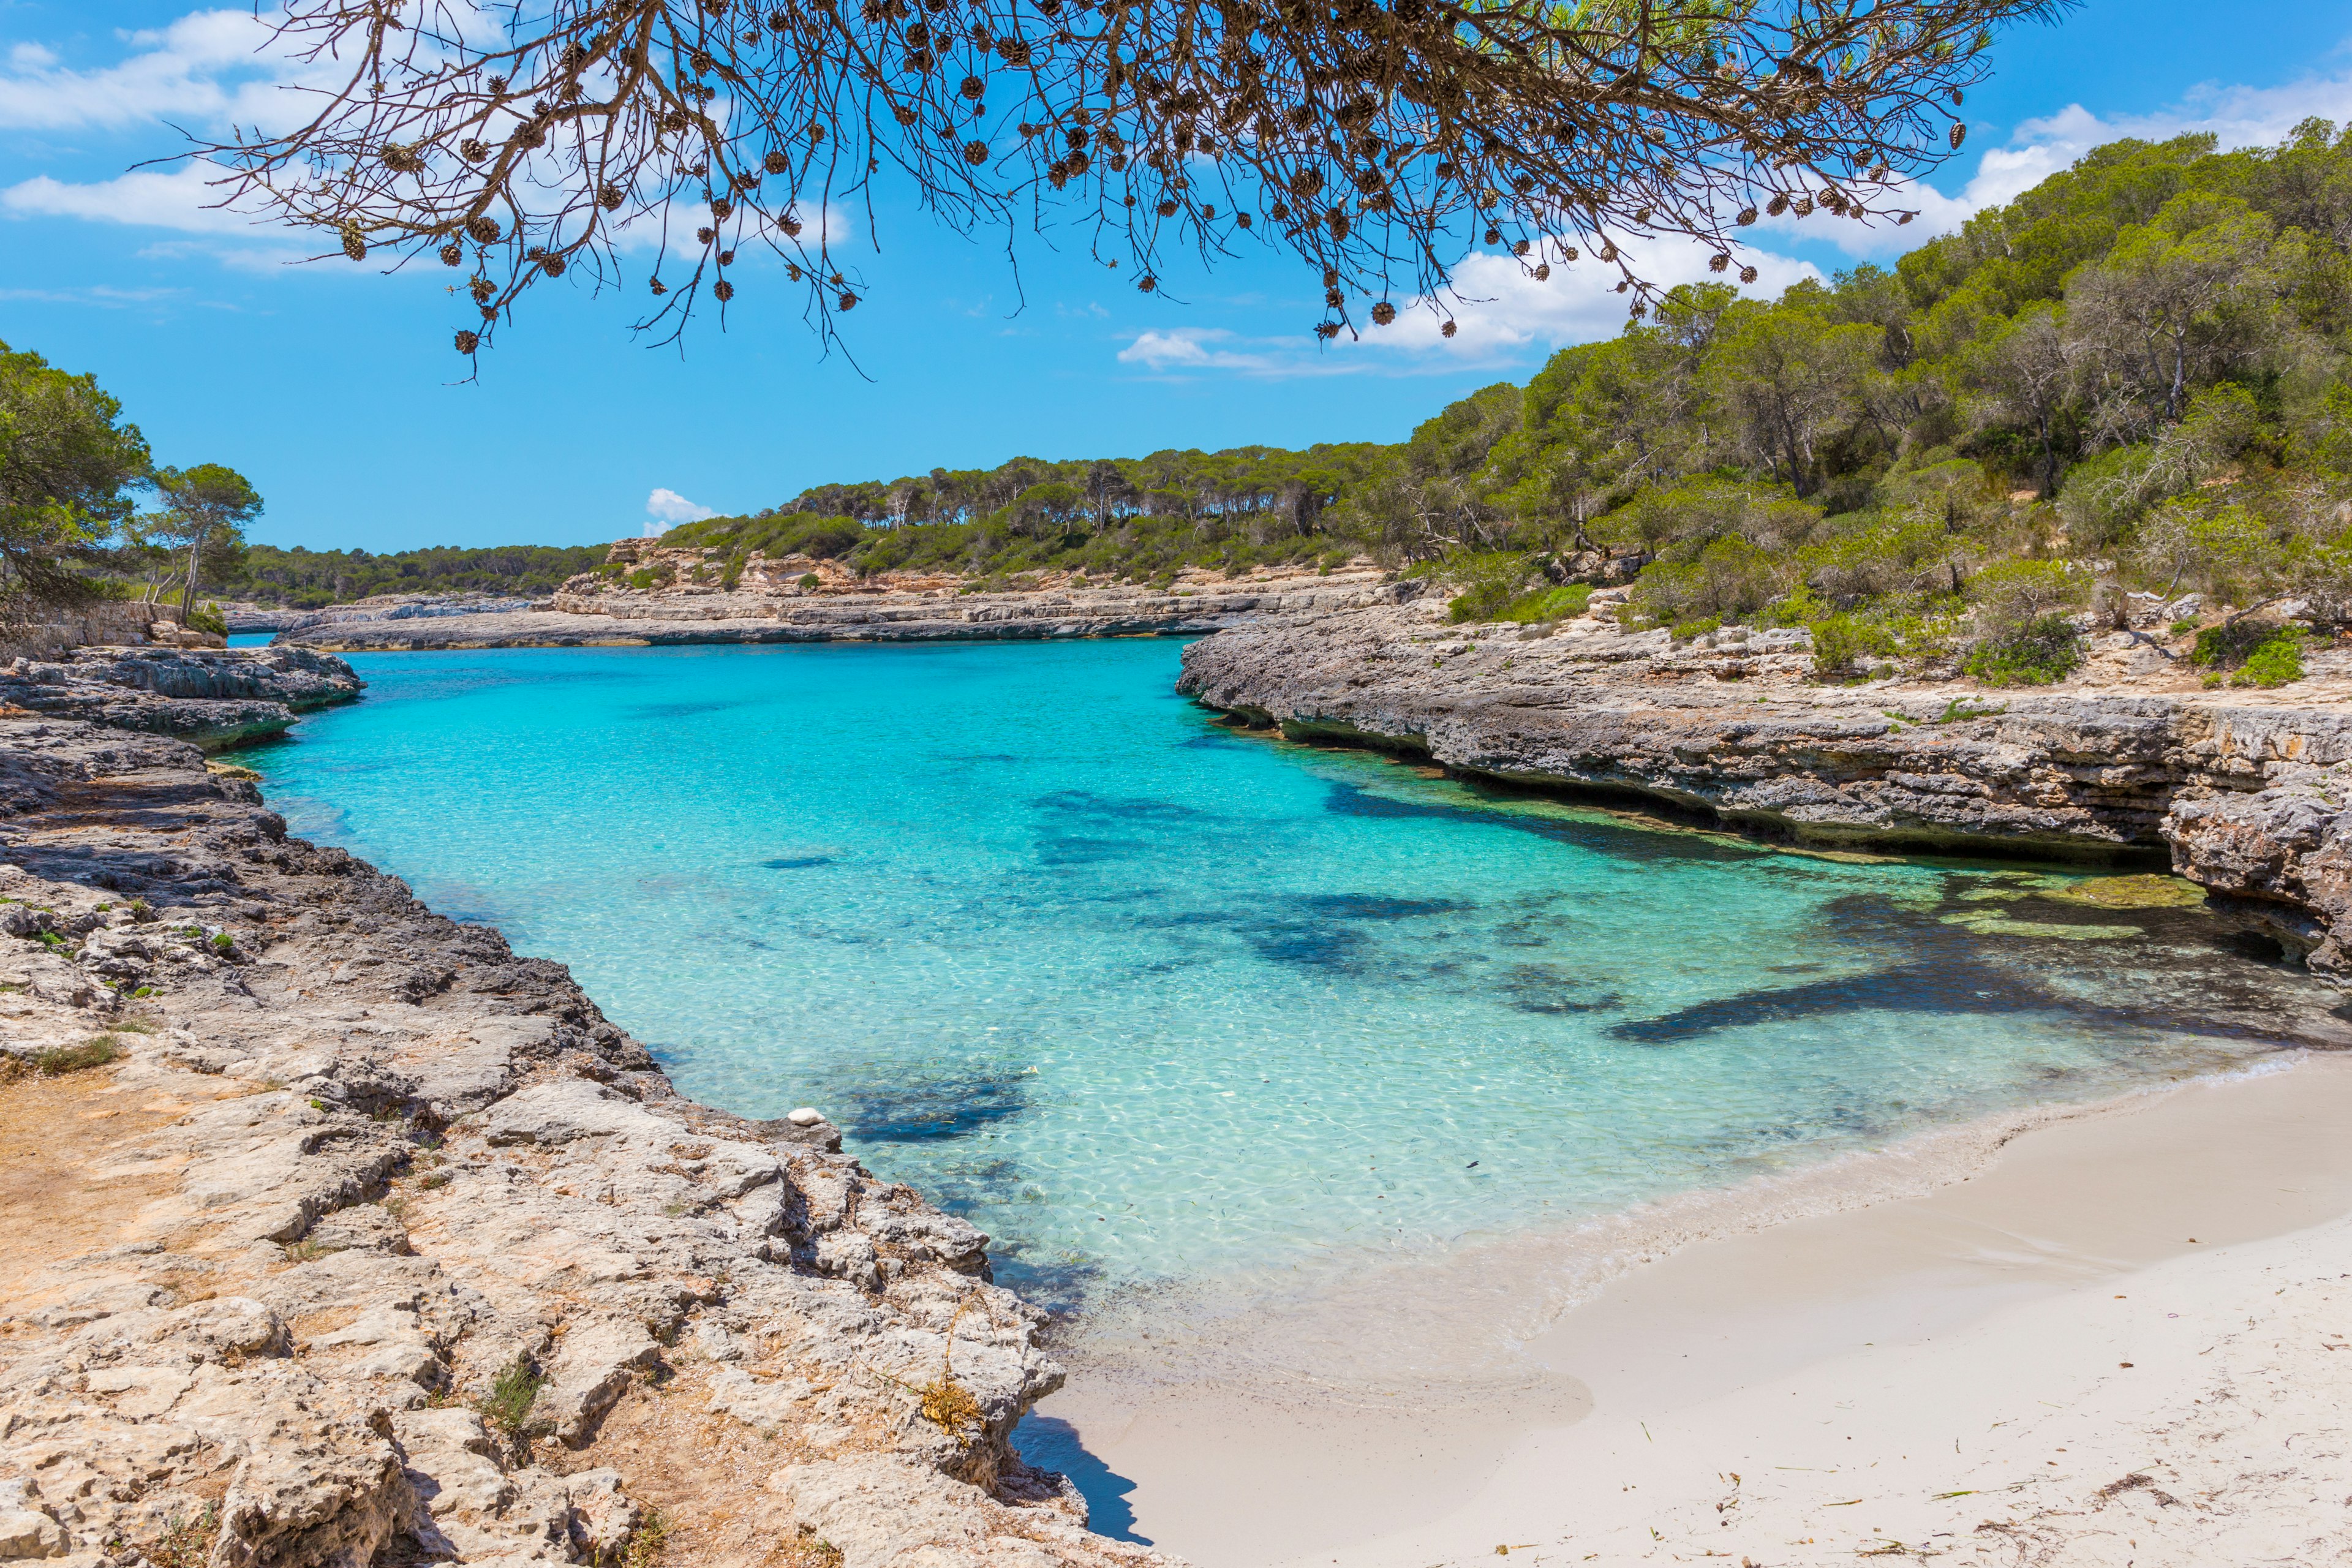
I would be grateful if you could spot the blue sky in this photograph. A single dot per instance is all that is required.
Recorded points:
(332, 386)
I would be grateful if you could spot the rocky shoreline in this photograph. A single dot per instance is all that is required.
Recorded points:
(2245, 792)
(373, 1242)
(688, 600)
(212, 697)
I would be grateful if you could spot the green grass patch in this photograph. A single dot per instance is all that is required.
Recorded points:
(94, 1052)
(1546, 604)
(512, 1393)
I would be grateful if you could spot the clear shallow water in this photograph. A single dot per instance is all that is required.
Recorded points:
(1150, 1000)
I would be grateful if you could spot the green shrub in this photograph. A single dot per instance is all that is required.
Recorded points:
(811, 580)
(1489, 582)
(2018, 593)
(1841, 641)
(2042, 651)
(2276, 661)
(1684, 631)
(647, 1541)
(2240, 643)
(208, 619)
(1548, 605)
(1730, 579)
(186, 1543)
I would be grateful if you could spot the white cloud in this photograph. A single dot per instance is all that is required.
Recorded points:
(180, 199)
(1502, 311)
(97, 294)
(1176, 353)
(213, 67)
(2038, 148)
(668, 508)
(1501, 315)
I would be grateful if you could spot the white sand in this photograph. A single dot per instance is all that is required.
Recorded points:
(1852, 1369)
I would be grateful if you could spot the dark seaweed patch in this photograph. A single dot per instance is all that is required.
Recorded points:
(670, 710)
(1912, 961)
(1327, 931)
(1059, 1285)
(1600, 837)
(1306, 943)
(1086, 804)
(1536, 988)
(796, 862)
(1374, 907)
(1083, 828)
(923, 1109)
(1076, 849)
(1910, 988)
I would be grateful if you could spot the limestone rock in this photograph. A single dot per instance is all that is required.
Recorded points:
(211, 696)
(2239, 786)
(389, 1269)
(768, 603)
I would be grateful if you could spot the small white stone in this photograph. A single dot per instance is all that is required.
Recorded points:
(807, 1116)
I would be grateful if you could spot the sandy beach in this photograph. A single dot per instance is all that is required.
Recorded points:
(2116, 1337)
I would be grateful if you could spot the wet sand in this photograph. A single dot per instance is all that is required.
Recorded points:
(1848, 1367)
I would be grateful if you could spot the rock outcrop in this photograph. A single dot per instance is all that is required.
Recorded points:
(2246, 791)
(214, 697)
(341, 1235)
(677, 597)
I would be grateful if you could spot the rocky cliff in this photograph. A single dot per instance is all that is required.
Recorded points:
(340, 1235)
(2245, 789)
(214, 697)
(674, 596)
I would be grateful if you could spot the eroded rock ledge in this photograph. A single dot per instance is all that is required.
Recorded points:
(769, 604)
(378, 1244)
(214, 697)
(2246, 791)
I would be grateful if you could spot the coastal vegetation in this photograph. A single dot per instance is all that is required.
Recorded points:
(2132, 379)
(307, 579)
(73, 473)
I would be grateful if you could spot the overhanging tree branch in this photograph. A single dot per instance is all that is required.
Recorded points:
(1375, 142)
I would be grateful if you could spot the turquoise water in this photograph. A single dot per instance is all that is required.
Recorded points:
(1151, 999)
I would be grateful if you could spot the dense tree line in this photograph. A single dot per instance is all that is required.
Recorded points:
(307, 579)
(1129, 517)
(2133, 377)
